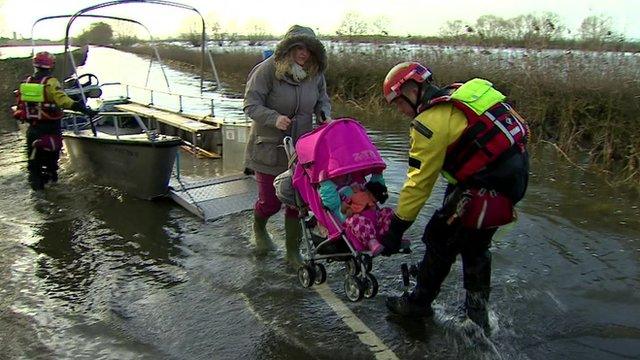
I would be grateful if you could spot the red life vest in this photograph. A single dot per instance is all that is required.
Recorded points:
(490, 137)
(36, 111)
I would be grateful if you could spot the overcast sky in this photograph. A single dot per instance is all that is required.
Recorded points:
(416, 17)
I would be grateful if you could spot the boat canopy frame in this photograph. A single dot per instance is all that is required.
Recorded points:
(84, 13)
(151, 39)
(203, 36)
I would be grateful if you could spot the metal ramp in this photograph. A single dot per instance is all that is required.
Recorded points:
(215, 198)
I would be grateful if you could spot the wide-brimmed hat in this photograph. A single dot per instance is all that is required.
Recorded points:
(301, 35)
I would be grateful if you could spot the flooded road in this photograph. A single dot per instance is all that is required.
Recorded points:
(89, 272)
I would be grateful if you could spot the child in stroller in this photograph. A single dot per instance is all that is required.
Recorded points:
(337, 158)
(354, 203)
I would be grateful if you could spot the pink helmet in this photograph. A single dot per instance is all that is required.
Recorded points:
(44, 60)
(402, 73)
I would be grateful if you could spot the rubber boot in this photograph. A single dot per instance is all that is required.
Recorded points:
(293, 232)
(264, 243)
(36, 182)
(476, 308)
(35, 175)
(408, 306)
(51, 176)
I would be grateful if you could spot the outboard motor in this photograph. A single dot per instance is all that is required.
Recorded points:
(90, 87)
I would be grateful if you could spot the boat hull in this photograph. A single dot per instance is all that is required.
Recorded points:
(140, 167)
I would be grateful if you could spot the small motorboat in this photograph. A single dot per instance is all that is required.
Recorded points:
(119, 147)
(131, 145)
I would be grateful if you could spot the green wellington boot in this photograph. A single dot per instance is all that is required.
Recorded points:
(264, 243)
(293, 232)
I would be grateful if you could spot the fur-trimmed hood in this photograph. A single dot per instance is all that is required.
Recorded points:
(300, 34)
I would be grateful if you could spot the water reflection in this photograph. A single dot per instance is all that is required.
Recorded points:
(118, 236)
(583, 198)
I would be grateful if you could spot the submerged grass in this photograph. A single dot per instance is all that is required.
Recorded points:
(582, 102)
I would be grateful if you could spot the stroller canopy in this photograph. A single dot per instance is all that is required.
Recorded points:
(338, 148)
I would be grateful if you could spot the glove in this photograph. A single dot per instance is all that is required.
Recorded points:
(378, 190)
(392, 239)
(90, 112)
(78, 106)
(322, 118)
(378, 178)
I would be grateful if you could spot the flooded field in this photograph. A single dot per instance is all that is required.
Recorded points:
(89, 272)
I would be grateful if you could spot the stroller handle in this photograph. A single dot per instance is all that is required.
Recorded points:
(288, 147)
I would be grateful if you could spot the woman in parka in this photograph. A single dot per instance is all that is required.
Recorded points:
(282, 94)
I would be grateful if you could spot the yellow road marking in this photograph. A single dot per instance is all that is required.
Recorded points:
(279, 331)
(366, 335)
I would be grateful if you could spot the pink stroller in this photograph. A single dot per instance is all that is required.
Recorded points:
(339, 148)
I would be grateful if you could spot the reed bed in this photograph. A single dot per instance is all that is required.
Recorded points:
(584, 103)
(13, 71)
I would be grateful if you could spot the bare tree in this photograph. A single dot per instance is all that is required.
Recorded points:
(380, 25)
(192, 31)
(491, 26)
(125, 33)
(257, 31)
(454, 28)
(352, 25)
(216, 33)
(596, 28)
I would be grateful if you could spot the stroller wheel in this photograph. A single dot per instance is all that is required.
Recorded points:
(353, 267)
(366, 260)
(306, 275)
(370, 286)
(353, 288)
(321, 274)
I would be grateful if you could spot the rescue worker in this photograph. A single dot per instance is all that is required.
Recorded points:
(478, 142)
(40, 103)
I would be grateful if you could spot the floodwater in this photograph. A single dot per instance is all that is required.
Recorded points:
(89, 272)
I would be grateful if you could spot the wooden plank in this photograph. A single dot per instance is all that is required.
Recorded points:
(215, 121)
(199, 152)
(207, 119)
(169, 118)
(221, 122)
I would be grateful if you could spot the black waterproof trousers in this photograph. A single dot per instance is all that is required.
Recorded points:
(444, 242)
(42, 165)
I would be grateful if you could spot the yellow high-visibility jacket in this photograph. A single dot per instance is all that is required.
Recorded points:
(432, 131)
(54, 93)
